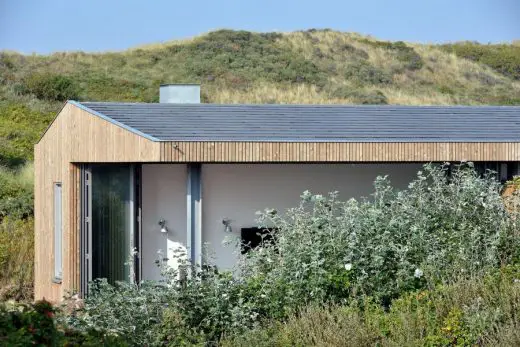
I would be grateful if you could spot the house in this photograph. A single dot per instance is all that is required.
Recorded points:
(111, 177)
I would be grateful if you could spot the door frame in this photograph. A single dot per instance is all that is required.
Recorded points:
(85, 207)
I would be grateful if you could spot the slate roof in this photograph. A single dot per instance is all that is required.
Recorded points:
(313, 123)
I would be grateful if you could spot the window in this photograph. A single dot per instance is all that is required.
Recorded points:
(58, 233)
(254, 237)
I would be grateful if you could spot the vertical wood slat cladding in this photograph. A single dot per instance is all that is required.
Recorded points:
(75, 136)
(338, 151)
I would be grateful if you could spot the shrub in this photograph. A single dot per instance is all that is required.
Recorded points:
(100, 87)
(125, 310)
(205, 306)
(16, 192)
(248, 56)
(24, 325)
(51, 87)
(404, 53)
(370, 97)
(439, 229)
(352, 51)
(500, 57)
(362, 72)
(20, 129)
(478, 311)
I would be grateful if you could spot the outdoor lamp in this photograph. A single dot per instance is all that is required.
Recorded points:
(227, 225)
(162, 223)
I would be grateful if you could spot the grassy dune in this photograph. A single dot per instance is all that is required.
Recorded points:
(313, 66)
(304, 67)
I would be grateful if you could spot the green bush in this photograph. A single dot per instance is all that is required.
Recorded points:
(362, 73)
(126, 310)
(502, 58)
(363, 97)
(25, 325)
(99, 87)
(51, 87)
(439, 229)
(478, 311)
(352, 51)
(247, 56)
(16, 192)
(404, 53)
(20, 128)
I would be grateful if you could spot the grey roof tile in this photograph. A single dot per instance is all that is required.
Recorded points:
(315, 123)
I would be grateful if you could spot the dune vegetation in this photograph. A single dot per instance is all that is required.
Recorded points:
(303, 67)
(313, 66)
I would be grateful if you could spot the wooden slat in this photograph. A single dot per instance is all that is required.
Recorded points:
(340, 152)
(75, 136)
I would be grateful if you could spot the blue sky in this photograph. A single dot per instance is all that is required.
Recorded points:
(45, 26)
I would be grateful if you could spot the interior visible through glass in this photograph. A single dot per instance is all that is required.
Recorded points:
(112, 221)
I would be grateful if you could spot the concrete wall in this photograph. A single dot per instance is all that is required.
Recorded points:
(237, 191)
(164, 196)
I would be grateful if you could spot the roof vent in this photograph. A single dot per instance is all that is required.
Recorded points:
(179, 93)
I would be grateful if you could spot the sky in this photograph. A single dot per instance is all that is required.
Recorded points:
(44, 26)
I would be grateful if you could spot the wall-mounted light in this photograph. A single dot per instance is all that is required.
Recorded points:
(162, 223)
(227, 225)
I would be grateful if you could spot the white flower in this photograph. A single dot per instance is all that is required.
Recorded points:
(418, 273)
(516, 280)
(348, 266)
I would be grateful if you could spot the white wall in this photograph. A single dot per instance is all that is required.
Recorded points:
(164, 196)
(237, 191)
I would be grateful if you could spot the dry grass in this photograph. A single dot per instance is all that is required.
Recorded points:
(16, 234)
(16, 259)
(134, 74)
(270, 93)
(444, 79)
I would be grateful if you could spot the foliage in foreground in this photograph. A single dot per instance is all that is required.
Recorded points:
(26, 325)
(478, 311)
(441, 230)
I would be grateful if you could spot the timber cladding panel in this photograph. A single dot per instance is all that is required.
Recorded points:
(75, 136)
(338, 151)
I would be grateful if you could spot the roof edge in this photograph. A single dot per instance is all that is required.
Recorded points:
(51, 123)
(111, 120)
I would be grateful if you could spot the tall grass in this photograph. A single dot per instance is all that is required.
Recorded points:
(16, 259)
(16, 233)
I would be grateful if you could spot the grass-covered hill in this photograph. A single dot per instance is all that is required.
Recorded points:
(313, 66)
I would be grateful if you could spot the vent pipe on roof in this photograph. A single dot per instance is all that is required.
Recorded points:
(179, 93)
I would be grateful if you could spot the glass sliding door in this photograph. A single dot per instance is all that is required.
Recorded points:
(109, 222)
